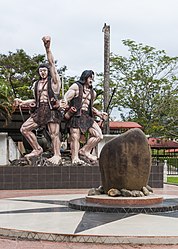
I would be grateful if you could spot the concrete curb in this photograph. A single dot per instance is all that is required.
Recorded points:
(39, 236)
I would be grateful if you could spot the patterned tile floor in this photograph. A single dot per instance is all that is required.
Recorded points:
(45, 215)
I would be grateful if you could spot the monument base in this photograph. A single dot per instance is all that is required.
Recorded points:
(103, 203)
(107, 200)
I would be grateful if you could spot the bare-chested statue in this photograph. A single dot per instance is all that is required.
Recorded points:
(80, 97)
(45, 91)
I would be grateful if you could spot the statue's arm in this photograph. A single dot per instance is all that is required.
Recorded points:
(53, 70)
(71, 93)
(20, 102)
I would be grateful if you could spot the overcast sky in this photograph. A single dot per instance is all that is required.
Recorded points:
(76, 28)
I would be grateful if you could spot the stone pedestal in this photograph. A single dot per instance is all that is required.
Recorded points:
(107, 200)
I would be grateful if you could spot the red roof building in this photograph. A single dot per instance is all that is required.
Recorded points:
(158, 143)
(125, 125)
(118, 127)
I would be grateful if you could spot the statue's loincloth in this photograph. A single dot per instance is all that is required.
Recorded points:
(83, 122)
(44, 115)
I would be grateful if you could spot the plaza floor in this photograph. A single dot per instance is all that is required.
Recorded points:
(42, 219)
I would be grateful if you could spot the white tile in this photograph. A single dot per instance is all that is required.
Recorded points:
(42, 222)
(12, 205)
(138, 225)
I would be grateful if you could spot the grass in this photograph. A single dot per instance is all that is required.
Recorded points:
(172, 179)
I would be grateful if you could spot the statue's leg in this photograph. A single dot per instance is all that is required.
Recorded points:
(95, 137)
(26, 130)
(75, 145)
(56, 143)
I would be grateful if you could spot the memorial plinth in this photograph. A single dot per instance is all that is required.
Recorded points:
(107, 200)
(135, 207)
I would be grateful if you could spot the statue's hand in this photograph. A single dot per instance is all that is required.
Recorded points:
(104, 116)
(63, 104)
(46, 40)
(17, 102)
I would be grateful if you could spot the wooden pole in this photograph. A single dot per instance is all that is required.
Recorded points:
(62, 85)
(106, 30)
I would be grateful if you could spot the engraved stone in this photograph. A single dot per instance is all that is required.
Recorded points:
(125, 161)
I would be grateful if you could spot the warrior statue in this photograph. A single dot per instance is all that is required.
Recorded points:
(46, 89)
(80, 97)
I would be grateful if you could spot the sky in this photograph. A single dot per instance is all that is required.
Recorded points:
(75, 27)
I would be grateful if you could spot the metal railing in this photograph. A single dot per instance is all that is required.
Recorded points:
(171, 159)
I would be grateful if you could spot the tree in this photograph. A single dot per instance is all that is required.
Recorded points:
(67, 81)
(6, 107)
(18, 71)
(146, 87)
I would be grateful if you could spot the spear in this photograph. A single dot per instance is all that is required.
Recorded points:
(15, 95)
(107, 108)
(110, 99)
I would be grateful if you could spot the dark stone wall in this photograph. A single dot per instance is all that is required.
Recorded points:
(62, 177)
(156, 176)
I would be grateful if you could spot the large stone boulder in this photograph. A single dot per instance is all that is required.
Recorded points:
(125, 161)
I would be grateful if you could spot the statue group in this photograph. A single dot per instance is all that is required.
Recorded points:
(77, 107)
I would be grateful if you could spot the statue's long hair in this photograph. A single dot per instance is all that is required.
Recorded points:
(85, 75)
(46, 66)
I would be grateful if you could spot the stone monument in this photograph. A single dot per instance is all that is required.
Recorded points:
(125, 162)
(125, 165)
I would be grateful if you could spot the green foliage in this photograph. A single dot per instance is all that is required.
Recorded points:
(6, 102)
(6, 107)
(116, 100)
(146, 87)
(18, 71)
(172, 161)
(67, 81)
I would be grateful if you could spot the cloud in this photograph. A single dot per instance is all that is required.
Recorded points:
(76, 28)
